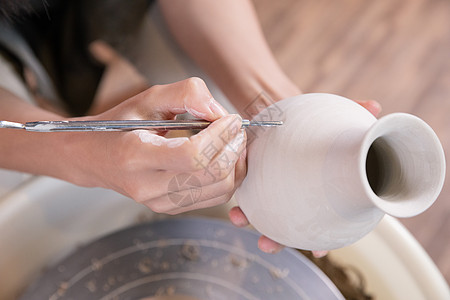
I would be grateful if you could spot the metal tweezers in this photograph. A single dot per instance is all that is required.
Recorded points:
(122, 125)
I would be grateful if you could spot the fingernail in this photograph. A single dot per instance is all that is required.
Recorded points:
(216, 108)
(319, 254)
(267, 245)
(273, 250)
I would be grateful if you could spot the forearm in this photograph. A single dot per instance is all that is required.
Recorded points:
(139, 163)
(225, 39)
(37, 153)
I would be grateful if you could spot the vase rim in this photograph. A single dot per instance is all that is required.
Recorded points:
(412, 164)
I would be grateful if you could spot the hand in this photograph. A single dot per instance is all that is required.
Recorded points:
(238, 218)
(169, 175)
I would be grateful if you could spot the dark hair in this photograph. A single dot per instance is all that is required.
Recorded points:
(13, 9)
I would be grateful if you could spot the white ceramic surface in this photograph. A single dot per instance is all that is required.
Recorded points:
(326, 177)
(393, 264)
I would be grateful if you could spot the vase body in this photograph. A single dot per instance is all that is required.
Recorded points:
(326, 177)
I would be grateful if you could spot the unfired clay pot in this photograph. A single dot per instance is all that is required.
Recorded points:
(326, 177)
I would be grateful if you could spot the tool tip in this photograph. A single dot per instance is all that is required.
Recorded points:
(266, 123)
(8, 124)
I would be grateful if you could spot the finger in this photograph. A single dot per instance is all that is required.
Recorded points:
(265, 244)
(269, 246)
(191, 193)
(319, 254)
(187, 200)
(164, 102)
(173, 159)
(222, 170)
(211, 141)
(237, 217)
(201, 205)
(189, 95)
(226, 161)
(372, 106)
(188, 194)
(241, 168)
(148, 150)
(202, 151)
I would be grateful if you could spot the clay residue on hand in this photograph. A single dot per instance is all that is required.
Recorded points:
(147, 137)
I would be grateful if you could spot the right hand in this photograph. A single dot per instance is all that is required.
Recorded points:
(150, 168)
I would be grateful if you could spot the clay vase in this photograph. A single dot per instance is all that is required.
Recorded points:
(327, 176)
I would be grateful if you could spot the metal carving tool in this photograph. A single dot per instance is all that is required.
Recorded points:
(122, 125)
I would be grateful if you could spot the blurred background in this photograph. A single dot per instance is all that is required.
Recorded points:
(394, 51)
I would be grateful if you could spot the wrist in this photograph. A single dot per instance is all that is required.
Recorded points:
(257, 91)
(85, 156)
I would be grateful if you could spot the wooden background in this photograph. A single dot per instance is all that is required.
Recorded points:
(393, 51)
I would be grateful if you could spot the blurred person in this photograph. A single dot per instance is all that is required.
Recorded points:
(60, 60)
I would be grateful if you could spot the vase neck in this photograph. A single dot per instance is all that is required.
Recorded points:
(402, 165)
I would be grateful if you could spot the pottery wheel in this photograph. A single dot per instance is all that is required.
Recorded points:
(182, 259)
